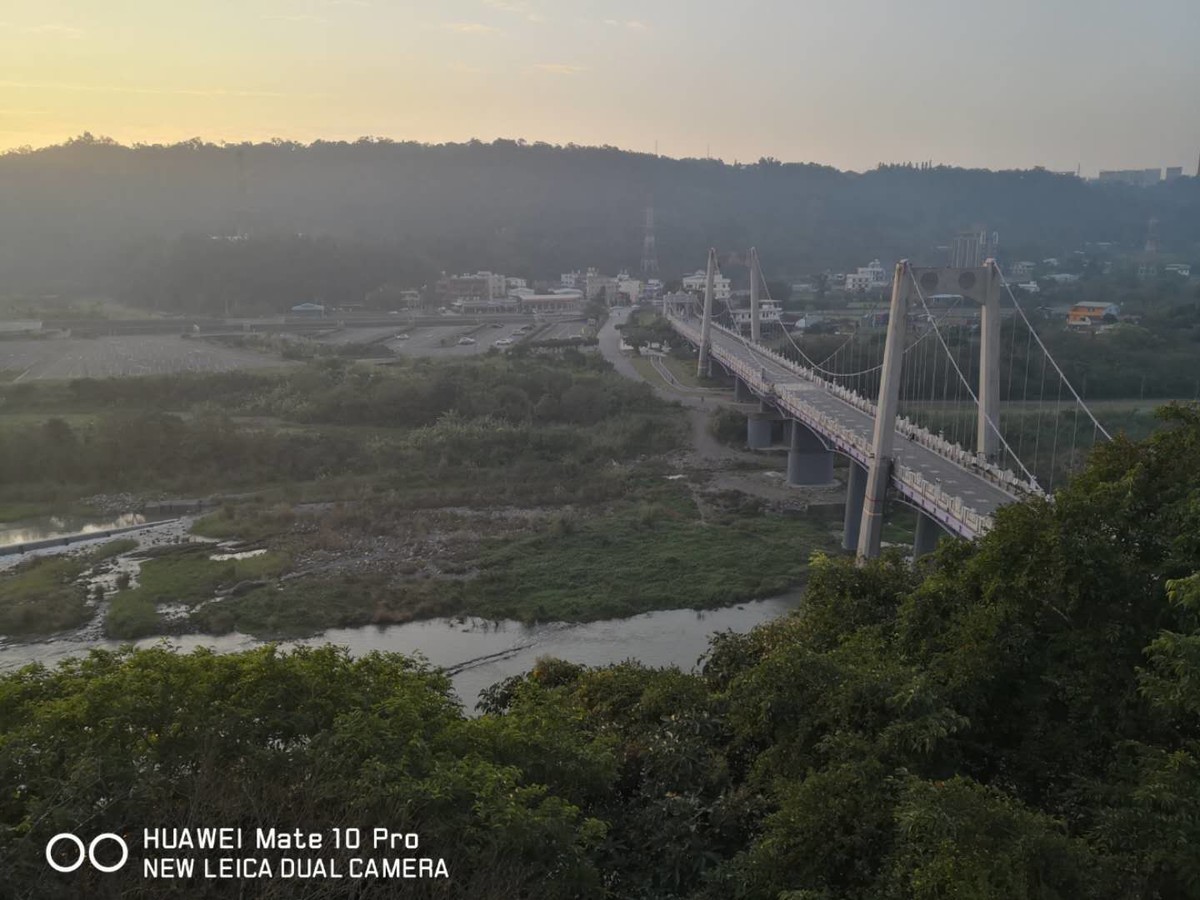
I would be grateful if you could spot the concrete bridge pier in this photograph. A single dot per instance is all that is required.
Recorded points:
(809, 462)
(929, 531)
(742, 393)
(758, 430)
(856, 492)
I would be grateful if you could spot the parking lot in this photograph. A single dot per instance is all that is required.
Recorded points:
(443, 341)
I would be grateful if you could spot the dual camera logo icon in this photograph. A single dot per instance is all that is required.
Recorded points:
(87, 852)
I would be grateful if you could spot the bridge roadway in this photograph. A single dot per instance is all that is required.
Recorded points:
(959, 499)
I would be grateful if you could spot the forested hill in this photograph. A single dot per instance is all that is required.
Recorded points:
(72, 213)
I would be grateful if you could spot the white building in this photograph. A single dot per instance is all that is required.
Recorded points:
(698, 281)
(561, 300)
(1030, 287)
(1022, 269)
(629, 288)
(600, 287)
(768, 316)
(515, 284)
(872, 275)
(570, 279)
(1183, 270)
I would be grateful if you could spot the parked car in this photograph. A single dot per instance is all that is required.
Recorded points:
(463, 341)
(503, 342)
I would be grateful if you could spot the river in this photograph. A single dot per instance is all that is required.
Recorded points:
(479, 653)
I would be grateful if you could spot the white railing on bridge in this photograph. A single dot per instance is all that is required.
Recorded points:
(921, 490)
(1005, 479)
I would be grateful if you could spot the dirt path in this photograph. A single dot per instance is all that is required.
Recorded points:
(757, 474)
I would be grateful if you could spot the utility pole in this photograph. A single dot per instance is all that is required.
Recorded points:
(706, 323)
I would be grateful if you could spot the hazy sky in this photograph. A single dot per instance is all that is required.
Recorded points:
(1102, 83)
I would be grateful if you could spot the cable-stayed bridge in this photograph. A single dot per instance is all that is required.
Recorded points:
(956, 456)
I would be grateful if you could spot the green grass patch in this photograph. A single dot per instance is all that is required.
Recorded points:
(43, 595)
(306, 606)
(246, 522)
(185, 577)
(642, 560)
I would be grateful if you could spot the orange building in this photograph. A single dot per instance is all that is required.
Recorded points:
(1084, 315)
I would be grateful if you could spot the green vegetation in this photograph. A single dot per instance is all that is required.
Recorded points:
(634, 562)
(1013, 717)
(728, 426)
(567, 565)
(246, 522)
(186, 577)
(43, 595)
(302, 607)
(419, 426)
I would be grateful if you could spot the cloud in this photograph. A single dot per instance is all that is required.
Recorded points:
(517, 7)
(557, 69)
(134, 89)
(471, 28)
(631, 24)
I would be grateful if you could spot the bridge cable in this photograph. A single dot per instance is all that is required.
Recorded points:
(958, 371)
(1038, 338)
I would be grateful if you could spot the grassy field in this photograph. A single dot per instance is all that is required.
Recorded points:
(634, 562)
(567, 563)
(187, 577)
(43, 595)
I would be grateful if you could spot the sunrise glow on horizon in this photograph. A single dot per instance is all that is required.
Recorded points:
(849, 84)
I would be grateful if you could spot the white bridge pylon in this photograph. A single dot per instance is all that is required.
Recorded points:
(955, 488)
(980, 285)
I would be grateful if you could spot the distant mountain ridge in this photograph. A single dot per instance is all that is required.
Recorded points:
(74, 215)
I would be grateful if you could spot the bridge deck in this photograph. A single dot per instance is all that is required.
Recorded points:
(956, 496)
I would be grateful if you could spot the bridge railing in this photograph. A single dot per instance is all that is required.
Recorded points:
(1006, 479)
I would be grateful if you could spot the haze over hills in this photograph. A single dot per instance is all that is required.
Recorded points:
(94, 215)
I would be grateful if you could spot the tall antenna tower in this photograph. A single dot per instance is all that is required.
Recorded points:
(242, 226)
(649, 250)
(1152, 237)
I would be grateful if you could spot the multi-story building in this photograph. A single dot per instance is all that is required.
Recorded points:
(1133, 177)
(866, 277)
(970, 249)
(768, 316)
(601, 287)
(699, 280)
(1022, 269)
(480, 286)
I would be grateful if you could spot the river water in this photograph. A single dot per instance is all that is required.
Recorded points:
(479, 653)
(31, 530)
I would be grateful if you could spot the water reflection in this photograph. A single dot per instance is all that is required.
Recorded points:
(62, 526)
(478, 653)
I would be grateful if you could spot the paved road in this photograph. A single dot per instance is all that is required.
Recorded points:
(563, 330)
(442, 341)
